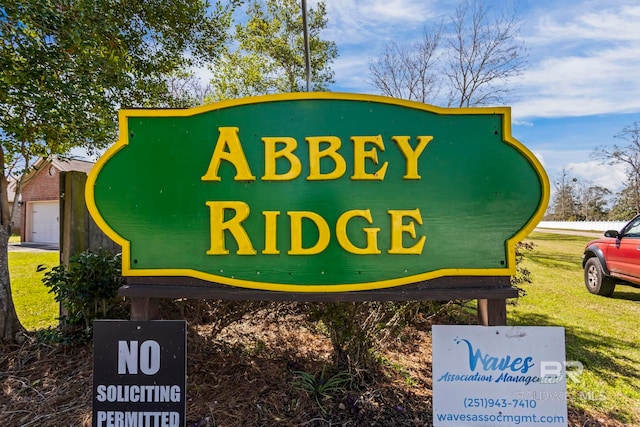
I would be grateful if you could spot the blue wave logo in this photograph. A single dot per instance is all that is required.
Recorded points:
(487, 362)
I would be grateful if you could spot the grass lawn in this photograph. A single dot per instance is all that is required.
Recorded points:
(36, 307)
(601, 333)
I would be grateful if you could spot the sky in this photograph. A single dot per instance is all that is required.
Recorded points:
(581, 87)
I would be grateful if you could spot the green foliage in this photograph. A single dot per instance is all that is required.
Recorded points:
(625, 206)
(87, 287)
(64, 336)
(269, 57)
(523, 275)
(68, 66)
(578, 200)
(322, 388)
(593, 203)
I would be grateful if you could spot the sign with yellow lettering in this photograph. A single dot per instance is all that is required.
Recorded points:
(317, 192)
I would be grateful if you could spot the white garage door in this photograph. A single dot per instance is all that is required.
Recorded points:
(45, 222)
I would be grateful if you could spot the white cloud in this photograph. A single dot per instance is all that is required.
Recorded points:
(370, 23)
(607, 176)
(583, 63)
(583, 53)
(539, 156)
(594, 21)
(361, 29)
(353, 73)
(577, 86)
(577, 164)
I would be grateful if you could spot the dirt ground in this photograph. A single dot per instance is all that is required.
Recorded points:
(241, 372)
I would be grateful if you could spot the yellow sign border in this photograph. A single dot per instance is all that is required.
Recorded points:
(122, 142)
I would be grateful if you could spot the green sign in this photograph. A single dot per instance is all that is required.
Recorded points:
(317, 192)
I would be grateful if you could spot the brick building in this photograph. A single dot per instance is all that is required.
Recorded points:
(40, 199)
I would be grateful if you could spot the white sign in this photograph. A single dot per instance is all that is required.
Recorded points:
(498, 376)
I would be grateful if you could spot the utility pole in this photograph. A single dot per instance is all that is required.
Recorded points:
(307, 52)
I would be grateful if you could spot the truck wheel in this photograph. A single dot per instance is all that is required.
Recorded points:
(595, 279)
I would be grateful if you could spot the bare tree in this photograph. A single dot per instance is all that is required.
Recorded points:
(483, 54)
(474, 55)
(187, 90)
(627, 155)
(409, 71)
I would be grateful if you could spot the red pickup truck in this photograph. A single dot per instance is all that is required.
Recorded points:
(613, 259)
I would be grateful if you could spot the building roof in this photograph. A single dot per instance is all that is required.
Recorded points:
(72, 165)
(63, 165)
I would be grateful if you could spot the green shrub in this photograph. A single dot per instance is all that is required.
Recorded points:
(523, 275)
(87, 288)
(358, 329)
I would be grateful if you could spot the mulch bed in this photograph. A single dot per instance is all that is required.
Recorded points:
(241, 372)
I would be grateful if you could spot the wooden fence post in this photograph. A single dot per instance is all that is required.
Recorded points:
(78, 231)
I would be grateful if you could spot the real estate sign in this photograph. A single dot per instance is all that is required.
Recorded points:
(317, 192)
(499, 376)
